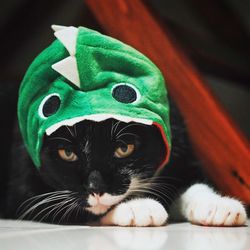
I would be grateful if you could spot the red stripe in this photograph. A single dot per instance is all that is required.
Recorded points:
(166, 159)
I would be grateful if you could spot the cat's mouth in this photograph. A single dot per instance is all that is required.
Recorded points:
(96, 118)
(100, 204)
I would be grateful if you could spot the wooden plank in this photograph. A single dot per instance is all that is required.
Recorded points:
(222, 149)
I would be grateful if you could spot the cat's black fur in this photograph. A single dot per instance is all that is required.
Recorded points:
(97, 165)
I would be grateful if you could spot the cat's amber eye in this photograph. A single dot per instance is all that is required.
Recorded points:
(67, 155)
(124, 151)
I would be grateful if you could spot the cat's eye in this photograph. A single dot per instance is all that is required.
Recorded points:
(67, 155)
(124, 151)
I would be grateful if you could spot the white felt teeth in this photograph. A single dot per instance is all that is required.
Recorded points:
(96, 118)
(68, 66)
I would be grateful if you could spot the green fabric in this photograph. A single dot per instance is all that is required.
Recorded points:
(102, 62)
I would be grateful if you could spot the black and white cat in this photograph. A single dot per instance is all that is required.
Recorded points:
(107, 172)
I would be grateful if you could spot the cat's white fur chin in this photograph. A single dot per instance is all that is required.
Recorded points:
(199, 204)
(137, 212)
(98, 209)
(100, 204)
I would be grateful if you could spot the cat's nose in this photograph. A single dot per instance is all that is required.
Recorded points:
(96, 183)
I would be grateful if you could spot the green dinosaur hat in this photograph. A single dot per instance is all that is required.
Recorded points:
(84, 75)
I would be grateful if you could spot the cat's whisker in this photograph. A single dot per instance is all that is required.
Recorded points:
(51, 206)
(139, 184)
(86, 149)
(128, 126)
(160, 188)
(50, 198)
(70, 210)
(35, 198)
(45, 209)
(168, 191)
(69, 207)
(60, 208)
(123, 134)
(44, 201)
(154, 181)
(162, 178)
(153, 190)
(163, 190)
(30, 211)
(75, 130)
(54, 206)
(161, 185)
(78, 208)
(71, 133)
(164, 186)
(116, 126)
(75, 206)
(145, 191)
(57, 209)
(32, 199)
(112, 130)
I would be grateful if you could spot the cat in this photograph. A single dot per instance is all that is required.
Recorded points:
(108, 172)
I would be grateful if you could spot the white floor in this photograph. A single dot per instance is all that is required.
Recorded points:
(35, 236)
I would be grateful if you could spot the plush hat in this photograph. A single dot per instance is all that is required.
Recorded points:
(84, 75)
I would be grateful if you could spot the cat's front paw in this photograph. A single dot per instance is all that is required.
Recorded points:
(219, 211)
(137, 212)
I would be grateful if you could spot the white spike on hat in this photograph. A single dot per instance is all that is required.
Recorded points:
(68, 66)
(57, 27)
(67, 37)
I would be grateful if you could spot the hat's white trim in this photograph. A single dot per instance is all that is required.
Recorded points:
(96, 118)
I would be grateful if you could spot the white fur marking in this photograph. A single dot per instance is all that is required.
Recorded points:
(98, 209)
(100, 204)
(110, 200)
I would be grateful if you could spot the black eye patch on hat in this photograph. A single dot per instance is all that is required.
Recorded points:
(125, 93)
(49, 105)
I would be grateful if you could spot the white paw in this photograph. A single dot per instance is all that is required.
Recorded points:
(137, 212)
(218, 211)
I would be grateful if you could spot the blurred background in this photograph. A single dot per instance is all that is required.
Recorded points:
(215, 34)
